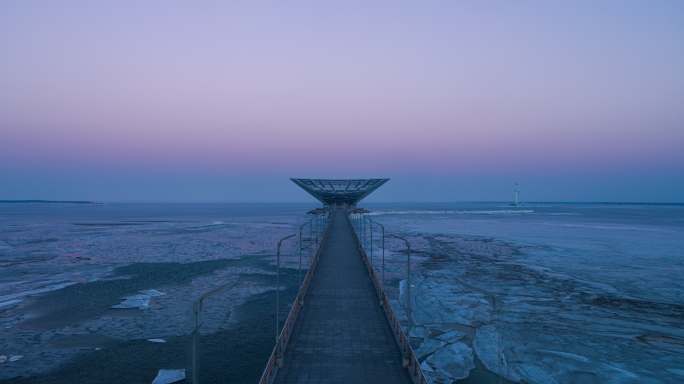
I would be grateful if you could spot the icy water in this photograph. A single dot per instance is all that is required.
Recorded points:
(541, 293)
(544, 293)
(103, 293)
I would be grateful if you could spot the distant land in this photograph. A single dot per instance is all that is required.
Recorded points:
(521, 205)
(46, 202)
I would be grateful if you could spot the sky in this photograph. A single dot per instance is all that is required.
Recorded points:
(452, 100)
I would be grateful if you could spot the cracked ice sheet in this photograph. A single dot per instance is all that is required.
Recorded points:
(533, 321)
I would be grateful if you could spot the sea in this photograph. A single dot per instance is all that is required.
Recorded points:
(536, 293)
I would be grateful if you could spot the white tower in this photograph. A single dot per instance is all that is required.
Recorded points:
(516, 195)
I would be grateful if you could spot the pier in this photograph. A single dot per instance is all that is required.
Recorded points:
(341, 328)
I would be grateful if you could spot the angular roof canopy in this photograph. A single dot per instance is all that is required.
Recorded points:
(335, 191)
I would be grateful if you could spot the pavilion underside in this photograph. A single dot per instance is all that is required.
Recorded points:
(339, 191)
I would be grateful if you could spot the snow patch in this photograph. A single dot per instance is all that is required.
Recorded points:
(139, 301)
(168, 376)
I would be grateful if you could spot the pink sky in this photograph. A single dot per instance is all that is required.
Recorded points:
(528, 92)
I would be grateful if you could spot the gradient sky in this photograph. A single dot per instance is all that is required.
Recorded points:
(453, 100)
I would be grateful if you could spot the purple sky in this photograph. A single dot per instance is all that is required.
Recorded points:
(454, 100)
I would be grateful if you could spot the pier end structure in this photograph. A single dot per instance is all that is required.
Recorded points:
(339, 192)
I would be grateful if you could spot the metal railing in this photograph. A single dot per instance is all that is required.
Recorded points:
(316, 226)
(361, 225)
(319, 227)
(197, 307)
(277, 305)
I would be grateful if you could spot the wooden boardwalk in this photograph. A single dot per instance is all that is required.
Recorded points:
(342, 335)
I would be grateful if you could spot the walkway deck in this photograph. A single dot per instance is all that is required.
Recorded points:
(342, 335)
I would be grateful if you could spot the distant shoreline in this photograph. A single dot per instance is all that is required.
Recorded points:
(522, 205)
(46, 202)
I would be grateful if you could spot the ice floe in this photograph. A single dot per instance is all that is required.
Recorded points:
(536, 374)
(446, 303)
(454, 361)
(169, 376)
(428, 347)
(451, 336)
(140, 300)
(419, 332)
(489, 347)
(14, 358)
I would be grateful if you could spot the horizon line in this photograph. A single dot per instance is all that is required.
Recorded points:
(80, 201)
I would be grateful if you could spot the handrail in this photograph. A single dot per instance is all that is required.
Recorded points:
(277, 308)
(275, 360)
(299, 268)
(408, 277)
(382, 227)
(409, 359)
(197, 312)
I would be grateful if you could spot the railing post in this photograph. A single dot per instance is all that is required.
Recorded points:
(277, 308)
(408, 287)
(371, 241)
(317, 228)
(365, 228)
(197, 307)
(195, 336)
(365, 231)
(301, 248)
(383, 256)
(299, 268)
(408, 279)
(360, 229)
